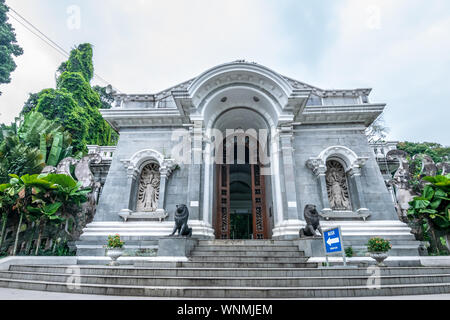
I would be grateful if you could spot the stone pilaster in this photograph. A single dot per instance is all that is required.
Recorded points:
(164, 175)
(132, 176)
(355, 174)
(319, 169)
(193, 198)
(286, 138)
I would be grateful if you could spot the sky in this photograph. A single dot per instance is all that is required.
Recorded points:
(399, 48)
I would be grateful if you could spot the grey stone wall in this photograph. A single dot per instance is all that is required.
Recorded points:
(116, 194)
(310, 140)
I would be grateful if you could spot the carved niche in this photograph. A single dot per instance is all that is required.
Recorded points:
(337, 187)
(148, 192)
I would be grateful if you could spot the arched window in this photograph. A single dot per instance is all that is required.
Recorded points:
(149, 185)
(337, 186)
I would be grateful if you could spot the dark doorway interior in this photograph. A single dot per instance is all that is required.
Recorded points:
(241, 219)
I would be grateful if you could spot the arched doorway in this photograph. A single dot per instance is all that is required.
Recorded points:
(243, 208)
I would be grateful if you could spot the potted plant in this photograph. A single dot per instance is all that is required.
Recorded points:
(378, 248)
(114, 249)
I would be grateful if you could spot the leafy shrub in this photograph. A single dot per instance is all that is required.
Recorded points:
(114, 242)
(349, 252)
(378, 245)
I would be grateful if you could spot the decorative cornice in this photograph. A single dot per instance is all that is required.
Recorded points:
(119, 118)
(140, 110)
(359, 113)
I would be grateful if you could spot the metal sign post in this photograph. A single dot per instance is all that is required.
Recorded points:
(332, 241)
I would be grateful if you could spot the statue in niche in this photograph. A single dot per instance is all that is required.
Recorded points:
(337, 186)
(148, 195)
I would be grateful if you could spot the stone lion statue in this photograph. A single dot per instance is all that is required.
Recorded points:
(181, 222)
(312, 219)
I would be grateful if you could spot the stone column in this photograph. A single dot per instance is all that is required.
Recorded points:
(286, 138)
(193, 197)
(288, 224)
(319, 169)
(276, 181)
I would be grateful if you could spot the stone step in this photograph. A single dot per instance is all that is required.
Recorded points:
(128, 243)
(226, 281)
(245, 243)
(252, 259)
(98, 238)
(352, 242)
(236, 253)
(100, 251)
(229, 292)
(227, 248)
(227, 272)
(221, 264)
(361, 237)
(397, 250)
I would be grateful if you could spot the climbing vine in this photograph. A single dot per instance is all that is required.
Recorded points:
(74, 103)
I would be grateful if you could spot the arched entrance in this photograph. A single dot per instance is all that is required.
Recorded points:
(242, 206)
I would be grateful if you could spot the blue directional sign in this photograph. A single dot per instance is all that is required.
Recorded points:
(332, 240)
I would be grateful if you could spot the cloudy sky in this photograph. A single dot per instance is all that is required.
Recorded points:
(399, 48)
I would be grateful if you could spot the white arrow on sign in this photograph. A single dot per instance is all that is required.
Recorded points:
(331, 241)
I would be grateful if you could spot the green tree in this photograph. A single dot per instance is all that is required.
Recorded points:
(74, 103)
(31, 103)
(60, 106)
(80, 61)
(436, 151)
(106, 98)
(8, 46)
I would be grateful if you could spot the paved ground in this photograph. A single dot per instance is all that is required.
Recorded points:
(16, 294)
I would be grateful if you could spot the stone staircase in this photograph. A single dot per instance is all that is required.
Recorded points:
(260, 269)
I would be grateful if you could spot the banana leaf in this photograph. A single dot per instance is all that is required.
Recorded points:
(56, 149)
(442, 222)
(43, 146)
(61, 180)
(428, 192)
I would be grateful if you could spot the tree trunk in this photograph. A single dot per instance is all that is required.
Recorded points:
(41, 231)
(2, 236)
(436, 239)
(30, 240)
(16, 242)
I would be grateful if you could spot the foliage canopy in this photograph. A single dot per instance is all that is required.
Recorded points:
(74, 103)
(8, 46)
(436, 151)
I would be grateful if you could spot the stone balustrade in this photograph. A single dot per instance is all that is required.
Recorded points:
(106, 152)
(380, 149)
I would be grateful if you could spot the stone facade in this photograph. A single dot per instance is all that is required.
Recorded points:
(306, 128)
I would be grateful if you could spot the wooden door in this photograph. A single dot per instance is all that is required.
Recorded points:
(258, 204)
(223, 202)
(259, 218)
